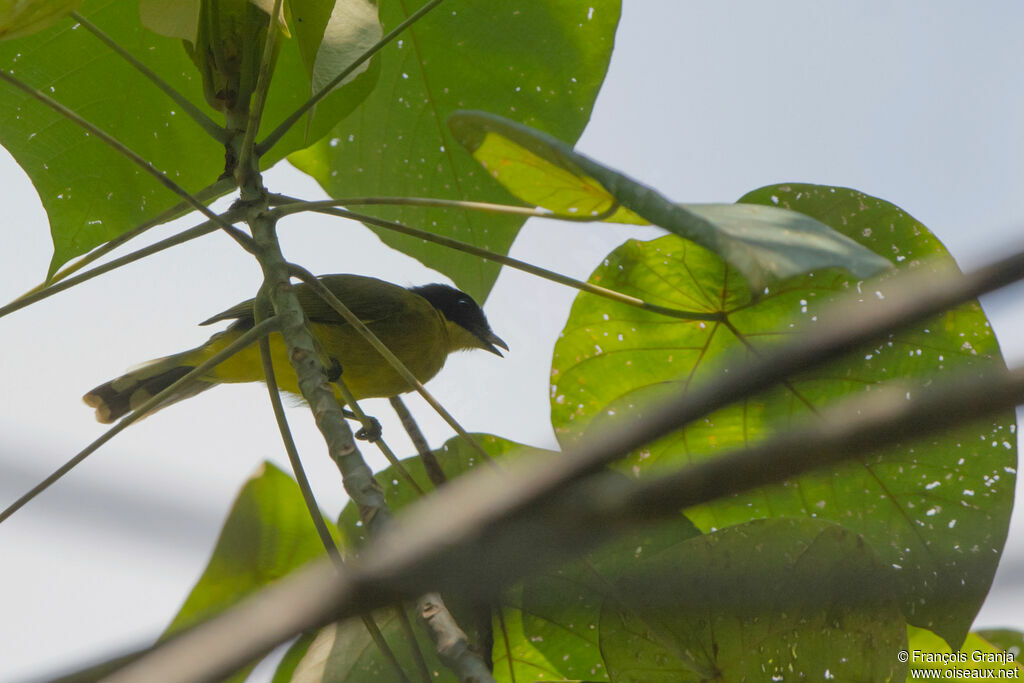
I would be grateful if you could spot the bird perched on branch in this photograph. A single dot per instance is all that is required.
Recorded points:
(420, 325)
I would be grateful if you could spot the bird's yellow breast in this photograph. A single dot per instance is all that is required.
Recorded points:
(419, 337)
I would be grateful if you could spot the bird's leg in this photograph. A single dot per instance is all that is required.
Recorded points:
(371, 429)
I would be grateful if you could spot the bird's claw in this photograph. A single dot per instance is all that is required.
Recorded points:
(371, 432)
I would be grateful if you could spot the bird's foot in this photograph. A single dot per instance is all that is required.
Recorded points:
(371, 431)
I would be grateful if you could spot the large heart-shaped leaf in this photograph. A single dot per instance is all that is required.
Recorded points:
(764, 243)
(91, 194)
(541, 61)
(786, 599)
(937, 510)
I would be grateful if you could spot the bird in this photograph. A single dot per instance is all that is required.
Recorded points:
(421, 325)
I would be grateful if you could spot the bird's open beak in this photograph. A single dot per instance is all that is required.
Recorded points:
(490, 341)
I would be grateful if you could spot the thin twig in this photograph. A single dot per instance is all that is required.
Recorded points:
(231, 349)
(289, 205)
(430, 463)
(523, 266)
(393, 360)
(244, 240)
(369, 426)
(205, 122)
(39, 294)
(270, 378)
(286, 125)
(406, 626)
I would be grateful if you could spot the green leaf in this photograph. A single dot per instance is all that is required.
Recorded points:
(22, 17)
(172, 19)
(560, 609)
(979, 653)
(268, 534)
(938, 510)
(782, 599)
(516, 658)
(764, 243)
(332, 35)
(346, 652)
(91, 194)
(541, 61)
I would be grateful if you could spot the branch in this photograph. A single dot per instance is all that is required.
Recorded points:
(521, 265)
(205, 122)
(286, 125)
(231, 349)
(430, 463)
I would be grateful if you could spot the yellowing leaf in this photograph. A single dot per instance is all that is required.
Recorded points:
(22, 17)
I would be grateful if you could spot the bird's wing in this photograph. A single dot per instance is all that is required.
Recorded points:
(369, 298)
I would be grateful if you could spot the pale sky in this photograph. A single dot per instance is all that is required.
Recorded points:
(918, 102)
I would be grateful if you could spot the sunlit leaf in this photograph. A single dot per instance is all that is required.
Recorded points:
(778, 599)
(516, 657)
(938, 510)
(541, 61)
(764, 243)
(978, 656)
(178, 19)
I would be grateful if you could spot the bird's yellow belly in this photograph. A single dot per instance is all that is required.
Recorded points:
(364, 371)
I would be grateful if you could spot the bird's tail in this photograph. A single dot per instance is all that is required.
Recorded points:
(116, 398)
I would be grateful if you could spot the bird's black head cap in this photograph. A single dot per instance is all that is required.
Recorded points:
(459, 308)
